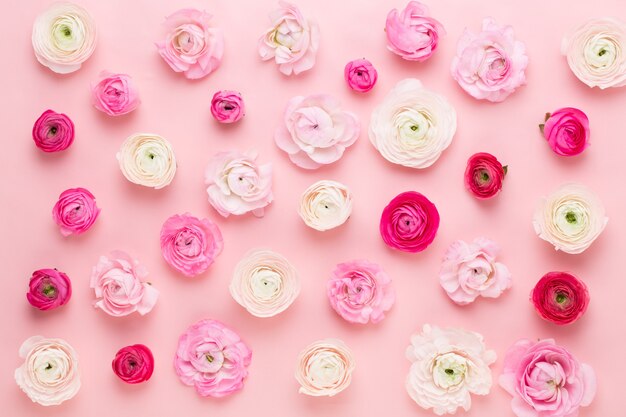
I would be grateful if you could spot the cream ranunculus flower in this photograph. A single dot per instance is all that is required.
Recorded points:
(64, 36)
(447, 365)
(147, 159)
(412, 126)
(571, 218)
(595, 52)
(49, 374)
(264, 283)
(325, 205)
(324, 368)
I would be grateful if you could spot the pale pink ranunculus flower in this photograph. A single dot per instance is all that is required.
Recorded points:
(412, 33)
(324, 368)
(115, 94)
(325, 205)
(491, 64)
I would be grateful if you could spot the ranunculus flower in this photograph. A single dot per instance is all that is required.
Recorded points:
(571, 218)
(53, 132)
(484, 175)
(133, 364)
(447, 366)
(75, 211)
(360, 75)
(227, 106)
(412, 33)
(237, 185)
(192, 46)
(470, 270)
(292, 40)
(360, 292)
(410, 222)
(212, 358)
(560, 298)
(190, 245)
(316, 131)
(49, 374)
(147, 159)
(490, 65)
(118, 281)
(595, 52)
(49, 289)
(567, 131)
(64, 36)
(545, 380)
(264, 283)
(115, 94)
(324, 368)
(412, 126)
(325, 205)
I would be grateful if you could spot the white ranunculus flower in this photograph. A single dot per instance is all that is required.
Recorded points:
(49, 374)
(447, 365)
(571, 218)
(64, 36)
(325, 205)
(324, 368)
(264, 283)
(147, 159)
(412, 126)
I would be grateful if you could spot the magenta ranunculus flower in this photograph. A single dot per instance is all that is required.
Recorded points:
(360, 292)
(53, 132)
(484, 175)
(360, 75)
(545, 380)
(567, 131)
(49, 289)
(212, 358)
(412, 33)
(115, 94)
(190, 245)
(560, 298)
(410, 222)
(75, 211)
(227, 106)
(133, 364)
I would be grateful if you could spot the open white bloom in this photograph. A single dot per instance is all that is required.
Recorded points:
(147, 159)
(595, 52)
(447, 365)
(64, 36)
(264, 283)
(412, 126)
(325, 205)
(571, 218)
(324, 368)
(49, 374)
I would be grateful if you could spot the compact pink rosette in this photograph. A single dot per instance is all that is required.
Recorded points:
(560, 297)
(115, 94)
(567, 131)
(53, 132)
(133, 364)
(75, 211)
(360, 75)
(412, 33)
(484, 175)
(49, 289)
(227, 106)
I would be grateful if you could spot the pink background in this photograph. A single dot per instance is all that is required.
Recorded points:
(178, 109)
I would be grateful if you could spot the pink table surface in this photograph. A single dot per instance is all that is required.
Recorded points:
(178, 109)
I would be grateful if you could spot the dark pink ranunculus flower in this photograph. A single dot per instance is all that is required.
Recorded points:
(75, 211)
(560, 298)
(227, 106)
(360, 75)
(567, 131)
(484, 175)
(133, 364)
(49, 289)
(53, 132)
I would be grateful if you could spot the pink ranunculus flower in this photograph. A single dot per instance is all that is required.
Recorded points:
(545, 380)
(470, 270)
(49, 289)
(227, 106)
(133, 364)
(316, 131)
(360, 292)
(190, 245)
(212, 358)
(118, 281)
(412, 33)
(292, 40)
(360, 75)
(192, 46)
(325, 368)
(75, 211)
(53, 132)
(560, 297)
(484, 175)
(490, 65)
(115, 94)
(567, 131)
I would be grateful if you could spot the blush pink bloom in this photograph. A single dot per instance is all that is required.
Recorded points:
(490, 65)
(190, 245)
(412, 33)
(360, 292)
(212, 358)
(545, 380)
(560, 298)
(115, 94)
(567, 131)
(227, 106)
(49, 289)
(118, 281)
(53, 132)
(75, 211)
(360, 75)
(191, 45)
(484, 175)
(316, 131)
(133, 364)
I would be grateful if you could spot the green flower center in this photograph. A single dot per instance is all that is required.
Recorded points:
(54, 130)
(449, 371)
(570, 216)
(209, 358)
(414, 128)
(49, 291)
(602, 52)
(561, 298)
